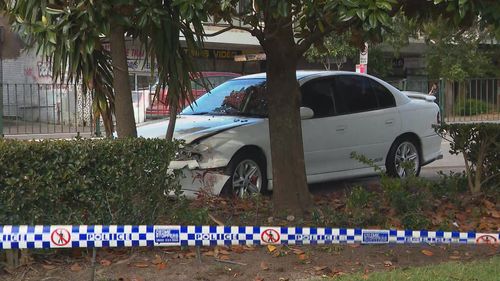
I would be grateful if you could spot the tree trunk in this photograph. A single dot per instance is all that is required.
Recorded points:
(290, 190)
(171, 121)
(124, 111)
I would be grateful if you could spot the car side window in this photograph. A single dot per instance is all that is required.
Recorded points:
(317, 95)
(352, 94)
(384, 96)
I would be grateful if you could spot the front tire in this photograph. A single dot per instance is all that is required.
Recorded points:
(403, 159)
(247, 175)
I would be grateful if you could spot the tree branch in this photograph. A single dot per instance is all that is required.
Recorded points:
(304, 45)
(254, 31)
(217, 32)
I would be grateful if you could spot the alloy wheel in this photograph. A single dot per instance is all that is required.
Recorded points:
(247, 178)
(406, 159)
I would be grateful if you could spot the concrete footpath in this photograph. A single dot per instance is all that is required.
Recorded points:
(449, 163)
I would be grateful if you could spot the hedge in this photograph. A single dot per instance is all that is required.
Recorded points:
(85, 181)
(471, 107)
(479, 143)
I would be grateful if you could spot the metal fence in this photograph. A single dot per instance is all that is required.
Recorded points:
(471, 100)
(45, 109)
(63, 108)
(29, 109)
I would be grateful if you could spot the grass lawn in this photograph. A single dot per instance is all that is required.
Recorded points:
(485, 270)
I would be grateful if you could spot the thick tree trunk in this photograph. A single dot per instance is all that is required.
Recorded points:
(290, 190)
(124, 111)
(171, 121)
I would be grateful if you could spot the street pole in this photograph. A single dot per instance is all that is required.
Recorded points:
(441, 93)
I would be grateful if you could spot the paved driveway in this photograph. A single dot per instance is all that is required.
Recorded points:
(449, 163)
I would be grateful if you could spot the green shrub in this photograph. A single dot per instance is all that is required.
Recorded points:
(470, 107)
(480, 145)
(358, 198)
(405, 195)
(85, 181)
(449, 184)
(415, 220)
(409, 197)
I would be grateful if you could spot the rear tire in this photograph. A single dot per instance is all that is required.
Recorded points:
(403, 151)
(247, 174)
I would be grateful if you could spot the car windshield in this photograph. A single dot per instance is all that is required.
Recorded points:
(240, 97)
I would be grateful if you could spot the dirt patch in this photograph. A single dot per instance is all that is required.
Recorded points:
(242, 263)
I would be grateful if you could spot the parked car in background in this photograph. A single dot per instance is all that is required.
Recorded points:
(159, 107)
(227, 135)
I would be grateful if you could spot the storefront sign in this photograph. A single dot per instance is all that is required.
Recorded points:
(250, 57)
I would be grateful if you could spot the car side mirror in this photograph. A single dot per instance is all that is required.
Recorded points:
(306, 113)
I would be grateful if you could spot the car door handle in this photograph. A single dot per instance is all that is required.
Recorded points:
(389, 122)
(340, 128)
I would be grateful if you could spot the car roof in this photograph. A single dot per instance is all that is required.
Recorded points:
(301, 74)
(218, 73)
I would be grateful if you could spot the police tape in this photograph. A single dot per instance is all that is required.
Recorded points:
(83, 236)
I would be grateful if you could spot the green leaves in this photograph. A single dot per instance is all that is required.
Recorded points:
(159, 27)
(454, 52)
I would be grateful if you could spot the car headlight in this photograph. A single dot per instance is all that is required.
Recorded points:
(191, 152)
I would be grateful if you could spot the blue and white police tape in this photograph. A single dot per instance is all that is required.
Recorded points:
(89, 236)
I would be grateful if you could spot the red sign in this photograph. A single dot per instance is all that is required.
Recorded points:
(361, 68)
(486, 239)
(60, 237)
(270, 236)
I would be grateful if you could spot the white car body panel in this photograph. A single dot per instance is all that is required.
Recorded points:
(328, 142)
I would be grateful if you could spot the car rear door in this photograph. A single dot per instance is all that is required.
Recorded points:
(366, 112)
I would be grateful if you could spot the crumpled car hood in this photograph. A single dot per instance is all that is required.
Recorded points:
(192, 127)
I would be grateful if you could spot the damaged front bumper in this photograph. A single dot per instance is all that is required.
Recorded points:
(194, 180)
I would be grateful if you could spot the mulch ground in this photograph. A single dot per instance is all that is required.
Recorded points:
(242, 263)
(272, 263)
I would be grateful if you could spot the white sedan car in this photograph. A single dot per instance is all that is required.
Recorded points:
(226, 134)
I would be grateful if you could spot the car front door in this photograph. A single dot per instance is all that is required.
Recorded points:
(319, 133)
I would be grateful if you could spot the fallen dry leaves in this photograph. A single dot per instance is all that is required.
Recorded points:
(105, 262)
(264, 266)
(427, 253)
(320, 268)
(75, 267)
(297, 251)
(302, 257)
(140, 265)
(271, 248)
(161, 266)
(48, 266)
(157, 260)
(209, 254)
